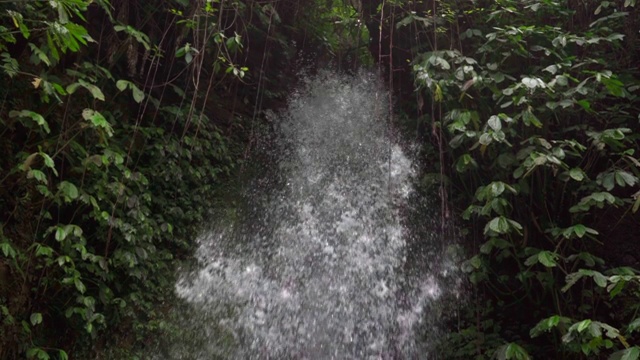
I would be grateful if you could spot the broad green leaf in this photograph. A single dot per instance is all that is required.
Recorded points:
(40, 55)
(8, 250)
(616, 288)
(465, 162)
(595, 330)
(497, 188)
(38, 175)
(438, 61)
(611, 332)
(548, 258)
(61, 233)
(11, 66)
(600, 279)
(562, 80)
(48, 162)
(36, 318)
(498, 225)
(588, 259)
(97, 120)
(545, 325)
(515, 225)
(579, 229)
(532, 260)
(485, 139)
(582, 325)
(476, 262)
(624, 178)
(499, 136)
(532, 83)
(69, 190)
(74, 229)
(494, 123)
(43, 250)
(615, 87)
(511, 351)
(585, 104)
(94, 90)
(37, 353)
(33, 116)
(515, 351)
(576, 174)
(71, 88)
(79, 285)
(122, 84)
(498, 77)
(138, 95)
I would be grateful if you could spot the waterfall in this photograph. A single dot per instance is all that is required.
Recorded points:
(322, 263)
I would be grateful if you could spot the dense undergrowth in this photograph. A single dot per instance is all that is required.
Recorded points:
(533, 109)
(122, 124)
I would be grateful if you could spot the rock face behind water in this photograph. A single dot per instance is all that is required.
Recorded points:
(317, 267)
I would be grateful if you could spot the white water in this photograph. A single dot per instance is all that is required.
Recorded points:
(317, 267)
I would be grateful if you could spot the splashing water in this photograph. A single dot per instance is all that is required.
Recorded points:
(317, 269)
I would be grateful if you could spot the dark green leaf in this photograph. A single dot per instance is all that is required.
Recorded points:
(79, 285)
(545, 325)
(8, 250)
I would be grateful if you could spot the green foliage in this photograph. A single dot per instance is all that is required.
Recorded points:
(105, 180)
(541, 120)
(337, 33)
